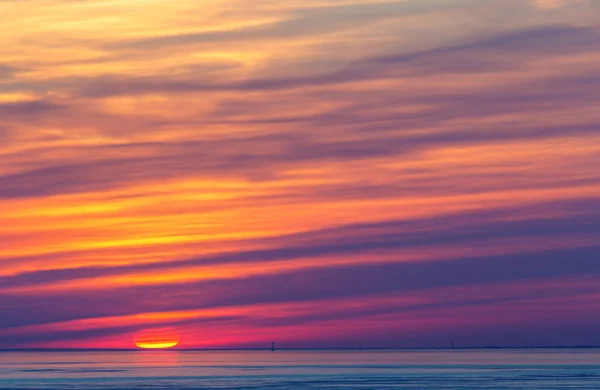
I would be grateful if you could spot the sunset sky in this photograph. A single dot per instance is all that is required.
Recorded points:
(319, 173)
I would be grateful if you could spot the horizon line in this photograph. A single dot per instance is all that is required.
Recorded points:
(296, 348)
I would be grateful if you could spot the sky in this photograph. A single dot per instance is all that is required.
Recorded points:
(319, 173)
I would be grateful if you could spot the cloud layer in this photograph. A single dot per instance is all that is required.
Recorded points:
(322, 173)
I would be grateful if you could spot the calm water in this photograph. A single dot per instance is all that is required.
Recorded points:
(458, 369)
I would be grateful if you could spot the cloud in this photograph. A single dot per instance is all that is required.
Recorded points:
(426, 167)
(314, 285)
(460, 313)
(6, 72)
(463, 58)
(463, 229)
(26, 109)
(549, 4)
(305, 21)
(258, 158)
(56, 335)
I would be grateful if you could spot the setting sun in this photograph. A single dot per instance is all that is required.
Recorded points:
(156, 339)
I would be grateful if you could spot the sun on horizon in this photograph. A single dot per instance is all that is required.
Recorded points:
(156, 339)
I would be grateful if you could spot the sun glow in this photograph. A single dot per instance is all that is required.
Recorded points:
(156, 339)
(157, 344)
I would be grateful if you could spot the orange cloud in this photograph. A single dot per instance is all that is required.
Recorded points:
(200, 162)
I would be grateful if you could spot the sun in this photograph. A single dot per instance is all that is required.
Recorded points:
(156, 339)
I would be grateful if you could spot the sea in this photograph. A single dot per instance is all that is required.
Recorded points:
(481, 369)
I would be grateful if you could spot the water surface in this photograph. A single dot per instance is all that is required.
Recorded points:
(357, 369)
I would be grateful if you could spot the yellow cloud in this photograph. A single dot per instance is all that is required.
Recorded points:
(550, 4)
